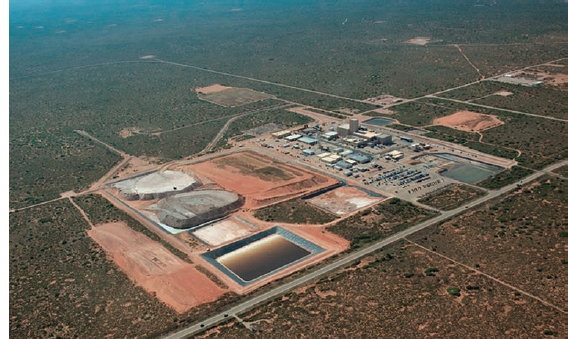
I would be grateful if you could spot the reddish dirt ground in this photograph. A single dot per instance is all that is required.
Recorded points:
(261, 180)
(172, 280)
(469, 121)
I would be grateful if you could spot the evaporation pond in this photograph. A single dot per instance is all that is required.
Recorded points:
(379, 121)
(262, 256)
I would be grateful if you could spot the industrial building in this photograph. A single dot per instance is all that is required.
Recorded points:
(351, 162)
(343, 165)
(343, 130)
(395, 155)
(331, 159)
(367, 136)
(330, 135)
(309, 152)
(353, 126)
(308, 140)
(360, 158)
(354, 141)
(384, 139)
(348, 129)
(281, 134)
(293, 137)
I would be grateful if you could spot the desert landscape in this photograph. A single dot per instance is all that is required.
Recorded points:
(287, 169)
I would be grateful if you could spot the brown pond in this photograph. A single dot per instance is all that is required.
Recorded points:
(261, 257)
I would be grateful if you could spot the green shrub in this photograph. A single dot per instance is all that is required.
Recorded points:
(455, 291)
(430, 271)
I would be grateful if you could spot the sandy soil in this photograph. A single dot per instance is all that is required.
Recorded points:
(418, 41)
(469, 121)
(260, 180)
(223, 231)
(211, 89)
(150, 265)
(503, 93)
(344, 200)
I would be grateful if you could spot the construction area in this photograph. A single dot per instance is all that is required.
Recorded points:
(260, 179)
(202, 207)
(469, 121)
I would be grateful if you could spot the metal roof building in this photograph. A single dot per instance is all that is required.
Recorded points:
(343, 164)
(293, 137)
(309, 152)
(308, 140)
(362, 159)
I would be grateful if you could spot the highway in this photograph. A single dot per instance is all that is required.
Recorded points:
(248, 304)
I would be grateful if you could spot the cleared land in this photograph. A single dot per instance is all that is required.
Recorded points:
(519, 239)
(469, 121)
(343, 200)
(380, 221)
(231, 96)
(259, 179)
(222, 232)
(418, 41)
(452, 197)
(390, 295)
(150, 265)
(295, 211)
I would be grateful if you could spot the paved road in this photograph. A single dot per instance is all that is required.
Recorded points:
(246, 305)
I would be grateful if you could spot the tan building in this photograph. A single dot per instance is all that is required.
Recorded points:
(343, 130)
(281, 134)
